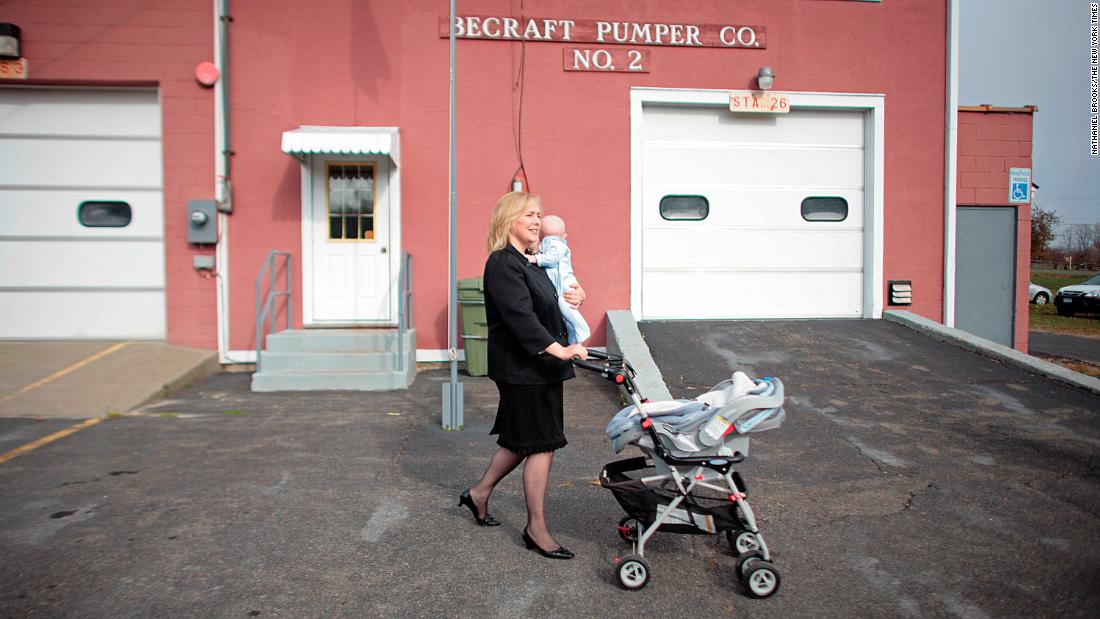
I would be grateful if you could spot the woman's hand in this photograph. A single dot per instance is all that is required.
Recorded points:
(576, 350)
(566, 353)
(574, 296)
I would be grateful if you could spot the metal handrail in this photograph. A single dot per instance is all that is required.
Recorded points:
(268, 306)
(404, 307)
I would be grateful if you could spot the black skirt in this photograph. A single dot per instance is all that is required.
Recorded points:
(530, 418)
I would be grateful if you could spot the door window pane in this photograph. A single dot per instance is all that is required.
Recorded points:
(824, 209)
(350, 189)
(101, 214)
(684, 208)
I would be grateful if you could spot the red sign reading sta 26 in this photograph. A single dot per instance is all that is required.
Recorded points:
(760, 102)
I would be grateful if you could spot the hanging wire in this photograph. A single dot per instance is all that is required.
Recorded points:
(518, 82)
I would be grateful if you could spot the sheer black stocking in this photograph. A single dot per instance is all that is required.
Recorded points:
(502, 463)
(536, 476)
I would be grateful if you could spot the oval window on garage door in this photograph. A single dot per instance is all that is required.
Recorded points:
(684, 208)
(817, 208)
(103, 214)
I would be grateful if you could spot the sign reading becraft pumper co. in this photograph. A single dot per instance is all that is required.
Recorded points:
(592, 31)
(609, 32)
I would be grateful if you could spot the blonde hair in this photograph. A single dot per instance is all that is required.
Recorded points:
(509, 208)
(552, 225)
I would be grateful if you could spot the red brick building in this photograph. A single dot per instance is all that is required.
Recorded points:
(992, 141)
(92, 61)
(680, 204)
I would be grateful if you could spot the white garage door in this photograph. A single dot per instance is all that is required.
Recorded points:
(752, 216)
(81, 214)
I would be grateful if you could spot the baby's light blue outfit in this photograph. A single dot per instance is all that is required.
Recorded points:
(555, 257)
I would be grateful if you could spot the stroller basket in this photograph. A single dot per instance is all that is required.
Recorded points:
(696, 514)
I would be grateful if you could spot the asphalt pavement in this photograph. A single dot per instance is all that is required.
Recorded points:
(912, 478)
(1064, 346)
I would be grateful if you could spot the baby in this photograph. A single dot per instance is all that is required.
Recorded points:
(554, 256)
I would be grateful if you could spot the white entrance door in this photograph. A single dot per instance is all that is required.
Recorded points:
(751, 216)
(350, 221)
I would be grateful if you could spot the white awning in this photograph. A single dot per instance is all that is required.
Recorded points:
(313, 140)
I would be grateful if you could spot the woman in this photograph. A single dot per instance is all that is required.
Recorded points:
(529, 358)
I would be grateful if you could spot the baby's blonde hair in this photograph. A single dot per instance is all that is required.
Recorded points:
(552, 225)
(509, 208)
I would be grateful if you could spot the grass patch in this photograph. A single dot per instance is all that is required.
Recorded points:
(114, 415)
(1055, 280)
(236, 413)
(1087, 369)
(1046, 318)
(1081, 367)
(169, 414)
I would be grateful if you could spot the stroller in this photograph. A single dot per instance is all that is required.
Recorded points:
(686, 482)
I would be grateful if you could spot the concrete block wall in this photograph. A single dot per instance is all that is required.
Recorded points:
(146, 43)
(991, 141)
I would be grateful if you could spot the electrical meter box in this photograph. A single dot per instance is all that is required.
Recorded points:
(202, 222)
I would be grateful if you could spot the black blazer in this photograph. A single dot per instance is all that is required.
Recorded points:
(521, 306)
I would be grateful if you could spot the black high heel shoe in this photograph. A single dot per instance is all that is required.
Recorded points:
(468, 501)
(560, 553)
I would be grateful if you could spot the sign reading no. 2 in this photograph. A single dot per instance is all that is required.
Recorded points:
(605, 60)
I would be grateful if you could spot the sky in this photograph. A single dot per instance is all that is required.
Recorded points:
(1037, 52)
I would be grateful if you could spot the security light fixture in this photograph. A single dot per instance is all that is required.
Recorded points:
(10, 36)
(765, 77)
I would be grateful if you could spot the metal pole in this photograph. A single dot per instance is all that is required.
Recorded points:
(951, 147)
(289, 290)
(452, 392)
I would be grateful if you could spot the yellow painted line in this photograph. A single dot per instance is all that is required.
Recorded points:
(69, 370)
(46, 440)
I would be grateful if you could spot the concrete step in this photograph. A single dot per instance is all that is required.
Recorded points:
(335, 359)
(275, 361)
(338, 381)
(337, 340)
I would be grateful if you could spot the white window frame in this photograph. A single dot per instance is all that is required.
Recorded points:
(873, 107)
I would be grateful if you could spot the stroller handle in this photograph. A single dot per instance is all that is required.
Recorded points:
(613, 368)
(588, 365)
(613, 360)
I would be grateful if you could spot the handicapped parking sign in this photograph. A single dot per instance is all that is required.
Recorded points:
(1019, 185)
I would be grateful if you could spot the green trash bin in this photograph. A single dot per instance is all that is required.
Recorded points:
(475, 327)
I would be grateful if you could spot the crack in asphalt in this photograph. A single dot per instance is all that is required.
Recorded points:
(403, 451)
(877, 456)
(906, 505)
(913, 495)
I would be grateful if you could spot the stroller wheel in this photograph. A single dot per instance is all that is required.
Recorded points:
(745, 561)
(761, 579)
(742, 541)
(629, 529)
(633, 572)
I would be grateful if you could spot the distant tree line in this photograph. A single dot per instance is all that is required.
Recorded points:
(1076, 244)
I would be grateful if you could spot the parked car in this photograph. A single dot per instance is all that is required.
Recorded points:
(1083, 297)
(1038, 294)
